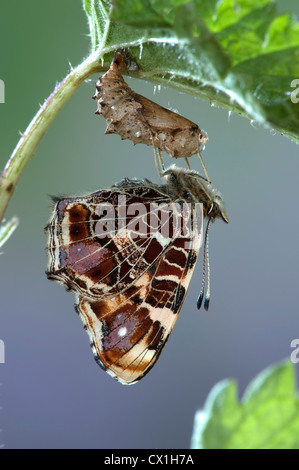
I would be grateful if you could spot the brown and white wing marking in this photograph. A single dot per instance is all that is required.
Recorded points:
(128, 331)
(88, 250)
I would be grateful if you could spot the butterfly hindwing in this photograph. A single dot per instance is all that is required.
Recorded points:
(127, 332)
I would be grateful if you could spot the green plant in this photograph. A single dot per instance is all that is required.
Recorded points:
(267, 417)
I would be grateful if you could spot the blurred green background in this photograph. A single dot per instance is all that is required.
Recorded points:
(53, 394)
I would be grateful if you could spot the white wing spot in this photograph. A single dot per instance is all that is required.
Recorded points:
(122, 332)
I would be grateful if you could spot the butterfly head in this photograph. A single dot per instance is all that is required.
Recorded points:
(192, 187)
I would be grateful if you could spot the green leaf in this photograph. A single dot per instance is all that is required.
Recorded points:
(98, 13)
(266, 418)
(237, 54)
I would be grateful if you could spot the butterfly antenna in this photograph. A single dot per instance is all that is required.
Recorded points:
(208, 294)
(206, 263)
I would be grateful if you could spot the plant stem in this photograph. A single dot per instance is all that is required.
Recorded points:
(40, 124)
(6, 229)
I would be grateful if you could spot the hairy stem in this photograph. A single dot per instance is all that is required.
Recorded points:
(40, 124)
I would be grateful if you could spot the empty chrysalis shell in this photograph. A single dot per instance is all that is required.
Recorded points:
(139, 119)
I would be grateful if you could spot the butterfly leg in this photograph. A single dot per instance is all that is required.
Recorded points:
(204, 166)
(161, 160)
(188, 164)
(157, 161)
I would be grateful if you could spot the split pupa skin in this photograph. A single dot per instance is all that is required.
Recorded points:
(142, 121)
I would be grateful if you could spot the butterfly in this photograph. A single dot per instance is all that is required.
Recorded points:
(128, 253)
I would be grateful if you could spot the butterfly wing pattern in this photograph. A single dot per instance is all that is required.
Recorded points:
(129, 253)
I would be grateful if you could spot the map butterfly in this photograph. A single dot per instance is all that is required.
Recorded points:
(128, 253)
